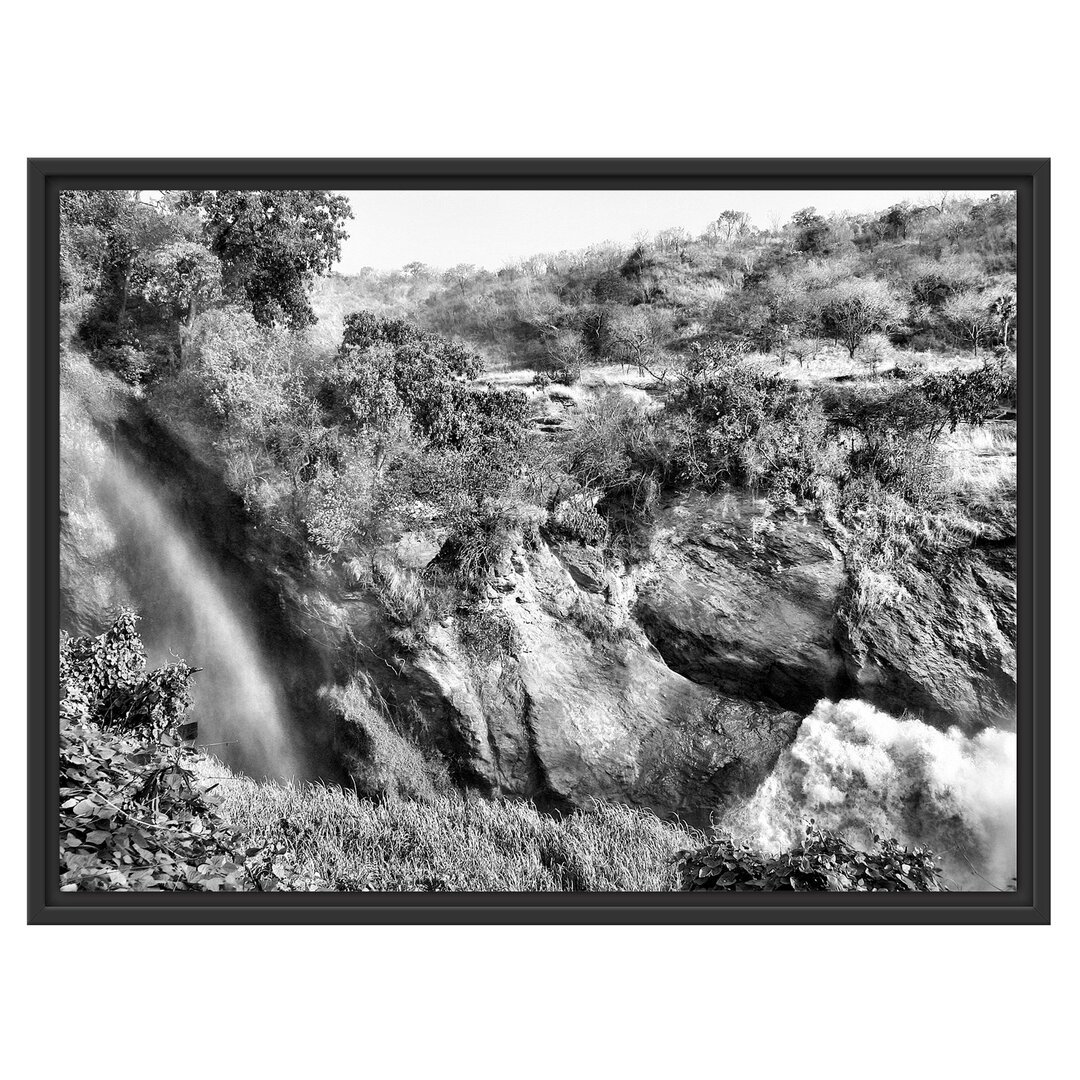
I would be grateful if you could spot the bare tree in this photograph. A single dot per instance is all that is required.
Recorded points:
(970, 317)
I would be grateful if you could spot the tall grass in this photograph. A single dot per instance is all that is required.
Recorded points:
(453, 842)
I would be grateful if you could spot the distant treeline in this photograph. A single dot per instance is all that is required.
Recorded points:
(939, 275)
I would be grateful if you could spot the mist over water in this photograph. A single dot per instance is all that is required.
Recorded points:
(190, 611)
(858, 771)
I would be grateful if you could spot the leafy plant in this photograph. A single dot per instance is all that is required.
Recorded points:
(133, 814)
(823, 862)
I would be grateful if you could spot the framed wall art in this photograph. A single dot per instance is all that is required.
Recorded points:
(539, 541)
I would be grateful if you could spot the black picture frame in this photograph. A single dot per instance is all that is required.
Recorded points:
(1030, 904)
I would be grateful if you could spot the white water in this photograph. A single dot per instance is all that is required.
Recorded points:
(190, 611)
(858, 771)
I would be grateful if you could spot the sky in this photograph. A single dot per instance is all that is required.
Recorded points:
(490, 228)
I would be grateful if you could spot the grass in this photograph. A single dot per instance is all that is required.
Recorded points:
(453, 842)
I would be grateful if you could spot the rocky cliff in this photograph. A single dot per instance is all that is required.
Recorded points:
(672, 681)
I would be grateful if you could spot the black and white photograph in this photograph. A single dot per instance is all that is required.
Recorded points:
(538, 541)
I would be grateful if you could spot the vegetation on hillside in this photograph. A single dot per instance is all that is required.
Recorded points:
(343, 443)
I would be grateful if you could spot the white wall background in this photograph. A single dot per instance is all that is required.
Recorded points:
(573, 79)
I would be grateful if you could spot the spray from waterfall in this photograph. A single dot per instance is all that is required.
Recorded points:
(189, 610)
(858, 771)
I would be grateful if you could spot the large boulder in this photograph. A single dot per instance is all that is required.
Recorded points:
(744, 600)
(579, 705)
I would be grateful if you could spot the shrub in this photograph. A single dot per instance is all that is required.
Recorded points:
(132, 814)
(125, 360)
(479, 540)
(489, 634)
(104, 682)
(823, 862)
(577, 519)
(565, 354)
(745, 426)
(968, 397)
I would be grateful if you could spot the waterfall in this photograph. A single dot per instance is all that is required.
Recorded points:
(191, 610)
(858, 771)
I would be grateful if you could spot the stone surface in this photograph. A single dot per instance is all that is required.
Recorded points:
(945, 647)
(743, 601)
(583, 707)
(672, 683)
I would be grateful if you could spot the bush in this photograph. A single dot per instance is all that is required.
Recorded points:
(823, 862)
(745, 426)
(489, 634)
(125, 360)
(968, 397)
(131, 814)
(134, 815)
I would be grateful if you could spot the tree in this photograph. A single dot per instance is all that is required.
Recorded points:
(969, 316)
(185, 277)
(895, 221)
(272, 245)
(1003, 308)
(732, 223)
(459, 275)
(812, 231)
(565, 354)
(674, 239)
(854, 308)
(639, 337)
(641, 266)
(428, 375)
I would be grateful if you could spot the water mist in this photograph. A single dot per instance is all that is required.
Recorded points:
(858, 771)
(191, 610)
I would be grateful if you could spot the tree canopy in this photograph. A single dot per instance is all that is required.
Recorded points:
(272, 245)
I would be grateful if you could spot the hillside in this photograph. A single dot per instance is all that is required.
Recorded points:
(602, 526)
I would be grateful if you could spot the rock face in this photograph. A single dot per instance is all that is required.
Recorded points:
(581, 706)
(945, 647)
(673, 683)
(744, 602)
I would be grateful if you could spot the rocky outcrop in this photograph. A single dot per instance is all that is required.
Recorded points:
(744, 601)
(580, 706)
(944, 645)
(672, 681)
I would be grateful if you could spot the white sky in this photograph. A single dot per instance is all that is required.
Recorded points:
(489, 228)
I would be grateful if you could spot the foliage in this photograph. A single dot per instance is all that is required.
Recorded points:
(272, 244)
(823, 862)
(745, 426)
(856, 307)
(133, 814)
(968, 397)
